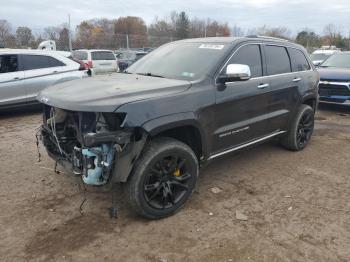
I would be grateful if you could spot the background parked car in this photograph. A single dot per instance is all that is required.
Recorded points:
(127, 58)
(23, 73)
(99, 61)
(318, 56)
(334, 84)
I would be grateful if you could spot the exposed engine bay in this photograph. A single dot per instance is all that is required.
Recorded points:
(90, 144)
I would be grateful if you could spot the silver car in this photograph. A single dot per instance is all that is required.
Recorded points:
(23, 73)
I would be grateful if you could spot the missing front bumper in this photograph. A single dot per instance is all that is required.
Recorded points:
(102, 158)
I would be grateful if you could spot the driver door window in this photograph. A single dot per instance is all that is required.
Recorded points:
(249, 55)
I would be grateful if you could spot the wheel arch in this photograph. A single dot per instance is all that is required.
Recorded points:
(183, 127)
(310, 100)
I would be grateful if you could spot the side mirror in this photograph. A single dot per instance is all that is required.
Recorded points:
(235, 72)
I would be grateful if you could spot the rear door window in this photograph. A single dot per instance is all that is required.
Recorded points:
(299, 61)
(277, 60)
(102, 55)
(249, 55)
(8, 63)
(80, 55)
(31, 62)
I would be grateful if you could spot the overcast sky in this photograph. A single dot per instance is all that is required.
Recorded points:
(294, 14)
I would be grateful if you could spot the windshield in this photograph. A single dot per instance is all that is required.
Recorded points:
(180, 60)
(80, 55)
(318, 57)
(102, 55)
(127, 56)
(338, 60)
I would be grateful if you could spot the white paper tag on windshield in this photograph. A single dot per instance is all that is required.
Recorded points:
(211, 46)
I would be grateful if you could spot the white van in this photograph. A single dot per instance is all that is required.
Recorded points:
(99, 61)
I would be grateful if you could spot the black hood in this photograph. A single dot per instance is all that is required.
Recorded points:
(334, 74)
(106, 93)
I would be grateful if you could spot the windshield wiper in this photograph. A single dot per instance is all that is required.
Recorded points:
(150, 74)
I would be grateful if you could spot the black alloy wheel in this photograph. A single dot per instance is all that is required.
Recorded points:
(167, 181)
(300, 130)
(305, 129)
(163, 178)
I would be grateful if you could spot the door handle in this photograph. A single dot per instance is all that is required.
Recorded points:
(16, 78)
(55, 72)
(297, 79)
(261, 86)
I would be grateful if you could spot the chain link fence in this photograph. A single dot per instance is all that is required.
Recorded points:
(90, 41)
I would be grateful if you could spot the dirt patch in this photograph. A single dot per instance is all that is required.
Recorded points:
(296, 205)
(69, 236)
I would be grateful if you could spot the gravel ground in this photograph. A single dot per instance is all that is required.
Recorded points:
(296, 205)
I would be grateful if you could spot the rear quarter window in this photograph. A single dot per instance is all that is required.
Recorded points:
(277, 60)
(102, 55)
(299, 61)
(80, 55)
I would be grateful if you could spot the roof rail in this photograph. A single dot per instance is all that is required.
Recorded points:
(267, 37)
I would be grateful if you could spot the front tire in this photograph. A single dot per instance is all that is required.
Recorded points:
(163, 178)
(300, 132)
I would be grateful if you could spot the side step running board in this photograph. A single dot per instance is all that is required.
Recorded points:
(245, 145)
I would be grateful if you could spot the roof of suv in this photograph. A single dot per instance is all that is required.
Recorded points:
(230, 39)
(94, 50)
(33, 51)
(254, 38)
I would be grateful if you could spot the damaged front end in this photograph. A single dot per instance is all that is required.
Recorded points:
(92, 145)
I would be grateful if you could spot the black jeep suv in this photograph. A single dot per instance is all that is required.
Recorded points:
(178, 107)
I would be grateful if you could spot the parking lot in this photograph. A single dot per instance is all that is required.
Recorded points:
(297, 205)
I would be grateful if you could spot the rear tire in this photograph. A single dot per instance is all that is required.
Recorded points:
(301, 129)
(163, 178)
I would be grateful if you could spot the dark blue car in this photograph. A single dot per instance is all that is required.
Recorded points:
(334, 84)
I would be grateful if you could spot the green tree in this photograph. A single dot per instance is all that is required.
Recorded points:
(308, 39)
(182, 26)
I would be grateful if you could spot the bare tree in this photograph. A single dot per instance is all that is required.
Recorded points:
(52, 32)
(5, 30)
(331, 33)
(84, 35)
(24, 36)
(280, 32)
(63, 39)
(214, 28)
(237, 31)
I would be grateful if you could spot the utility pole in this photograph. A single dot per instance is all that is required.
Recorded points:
(69, 34)
(127, 41)
(205, 29)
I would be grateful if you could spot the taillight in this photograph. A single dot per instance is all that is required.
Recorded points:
(89, 63)
(82, 66)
